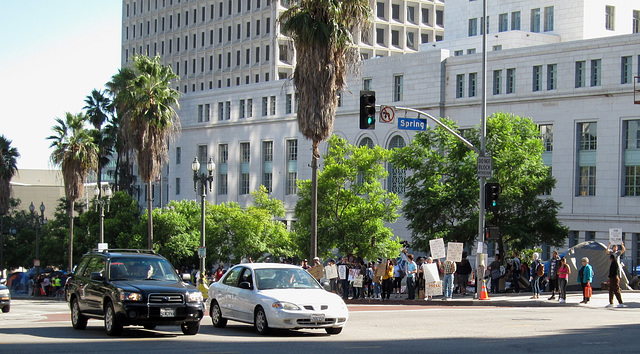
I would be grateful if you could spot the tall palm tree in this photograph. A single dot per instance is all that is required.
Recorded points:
(322, 35)
(8, 169)
(98, 111)
(76, 154)
(152, 120)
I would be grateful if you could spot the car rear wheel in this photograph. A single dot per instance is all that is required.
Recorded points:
(216, 316)
(111, 323)
(333, 330)
(6, 309)
(260, 321)
(78, 320)
(190, 328)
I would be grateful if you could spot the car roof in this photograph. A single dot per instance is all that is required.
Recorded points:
(268, 266)
(125, 253)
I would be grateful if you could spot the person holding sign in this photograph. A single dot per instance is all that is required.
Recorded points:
(387, 280)
(449, 267)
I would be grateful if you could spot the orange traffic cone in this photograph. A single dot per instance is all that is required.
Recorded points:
(484, 295)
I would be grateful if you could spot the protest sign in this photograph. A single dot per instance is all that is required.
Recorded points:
(437, 248)
(454, 251)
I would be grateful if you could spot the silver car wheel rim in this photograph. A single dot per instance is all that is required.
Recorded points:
(216, 313)
(74, 313)
(260, 321)
(108, 319)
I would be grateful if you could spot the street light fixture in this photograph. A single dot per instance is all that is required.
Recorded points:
(102, 201)
(204, 177)
(39, 220)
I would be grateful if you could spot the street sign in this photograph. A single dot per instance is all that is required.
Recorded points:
(202, 252)
(387, 114)
(412, 124)
(484, 166)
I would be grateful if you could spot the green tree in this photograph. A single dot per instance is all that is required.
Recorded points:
(76, 154)
(151, 121)
(98, 110)
(442, 188)
(352, 206)
(8, 168)
(322, 35)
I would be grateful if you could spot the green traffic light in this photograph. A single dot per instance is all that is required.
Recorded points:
(370, 120)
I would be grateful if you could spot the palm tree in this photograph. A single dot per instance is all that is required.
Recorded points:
(98, 110)
(322, 35)
(76, 154)
(152, 120)
(8, 169)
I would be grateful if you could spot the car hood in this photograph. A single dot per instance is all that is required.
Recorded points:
(152, 286)
(303, 296)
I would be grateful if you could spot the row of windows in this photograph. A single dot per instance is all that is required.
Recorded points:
(257, 31)
(504, 81)
(410, 12)
(503, 22)
(133, 7)
(245, 108)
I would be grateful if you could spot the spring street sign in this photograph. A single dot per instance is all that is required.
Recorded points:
(412, 124)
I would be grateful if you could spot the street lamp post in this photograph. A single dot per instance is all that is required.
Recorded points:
(39, 220)
(98, 192)
(204, 177)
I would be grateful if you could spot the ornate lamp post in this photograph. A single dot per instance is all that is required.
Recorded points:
(102, 201)
(39, 220)
(204, 177)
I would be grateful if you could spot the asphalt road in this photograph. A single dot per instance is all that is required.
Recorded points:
(43, 327)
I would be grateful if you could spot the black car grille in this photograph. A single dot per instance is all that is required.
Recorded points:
(307, 322)
(159, 299)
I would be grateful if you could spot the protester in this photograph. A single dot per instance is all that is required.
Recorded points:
(585, 277)
(411, 270)
(377, 280)
(398, 275)
(554, 263)
(428, 297)
(305, 265)
(614, 280)
(448, 267)
(515, 272)
(496, 273)
(463, 271)
(387, 279)
(534, 276)
(563, 272)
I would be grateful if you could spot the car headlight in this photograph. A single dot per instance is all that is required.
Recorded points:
(195, 296)
(129, 295)
(285, 306)
(5, 294)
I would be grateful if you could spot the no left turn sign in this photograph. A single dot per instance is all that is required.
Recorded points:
(387, 114)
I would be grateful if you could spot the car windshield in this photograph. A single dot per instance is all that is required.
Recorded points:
(141, 268)
(285, 278)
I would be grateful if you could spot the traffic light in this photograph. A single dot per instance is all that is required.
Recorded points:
(492, 233)
(367, 110)
(491, 196)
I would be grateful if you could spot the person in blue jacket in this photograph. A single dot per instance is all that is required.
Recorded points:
(585, 276)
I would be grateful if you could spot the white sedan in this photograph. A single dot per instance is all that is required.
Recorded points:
(271, 295)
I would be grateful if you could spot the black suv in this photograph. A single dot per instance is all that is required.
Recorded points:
(131, 287)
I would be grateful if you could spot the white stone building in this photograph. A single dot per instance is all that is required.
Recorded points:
(568, 64)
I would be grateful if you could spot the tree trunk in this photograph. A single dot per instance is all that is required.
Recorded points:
(71, 203)
(150, 212)
(314, 200)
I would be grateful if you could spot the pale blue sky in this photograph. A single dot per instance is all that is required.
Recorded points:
(53, 53)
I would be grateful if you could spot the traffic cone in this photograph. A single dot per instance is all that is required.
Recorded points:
(484, 295)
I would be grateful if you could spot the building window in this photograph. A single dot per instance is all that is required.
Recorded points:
(511, 80)
(411, 40)
(288, 103)
(223, 159)
(292, 166)
(636, 21)
(473, 82)
(535, 20)
(552, 76)
(411, 14)
(580, 73)
(497, 82)
(395, 38)
(609, 18)
(458, 53)
(395, 12)
(626, 75)
(425, 16)
(396, 175)
(537, 78)
(380, 10)
(439, 18)
(596, 72)
(245, 159)
(380, 36)
(241, 109)
(548, 19)
(459, 85)
(587, 184)
(273, 105)
(631, 157)
(267, 165)
(177, 185)
(588, 136)
(227, 108)
(265, 106)
(249, 108)
(473, 27)
(589, 236)
(546, 134)
(366, 84)
(397, 87)
(503, 22)
(178, 155)
(220, 111)
(515, 21)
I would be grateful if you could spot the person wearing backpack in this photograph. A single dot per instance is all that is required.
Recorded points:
(534, 275)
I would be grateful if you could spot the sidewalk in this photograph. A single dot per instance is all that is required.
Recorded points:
(599, 299)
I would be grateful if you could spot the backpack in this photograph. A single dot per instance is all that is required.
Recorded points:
(540, 269)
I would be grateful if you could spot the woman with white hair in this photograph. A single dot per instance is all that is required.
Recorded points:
(534, 277)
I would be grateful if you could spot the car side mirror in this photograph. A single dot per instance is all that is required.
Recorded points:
(97, 276)
(245, 285)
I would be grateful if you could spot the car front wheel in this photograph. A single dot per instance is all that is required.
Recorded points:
(260, 321)
(333, 330)
(111, 323)
(78, 320)
(6, 309)
(216, 316)
(190, 328)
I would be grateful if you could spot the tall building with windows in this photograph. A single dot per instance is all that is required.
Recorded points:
(571, 65)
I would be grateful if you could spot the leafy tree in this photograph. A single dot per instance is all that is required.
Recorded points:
(322, 35)
(442, 189)
(8, 168)
(352, 205)
(76, 154)
(98, 110)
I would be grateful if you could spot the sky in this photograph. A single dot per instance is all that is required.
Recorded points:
(53, 53)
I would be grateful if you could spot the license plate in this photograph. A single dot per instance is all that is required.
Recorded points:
(317, 318)
(167, 312)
